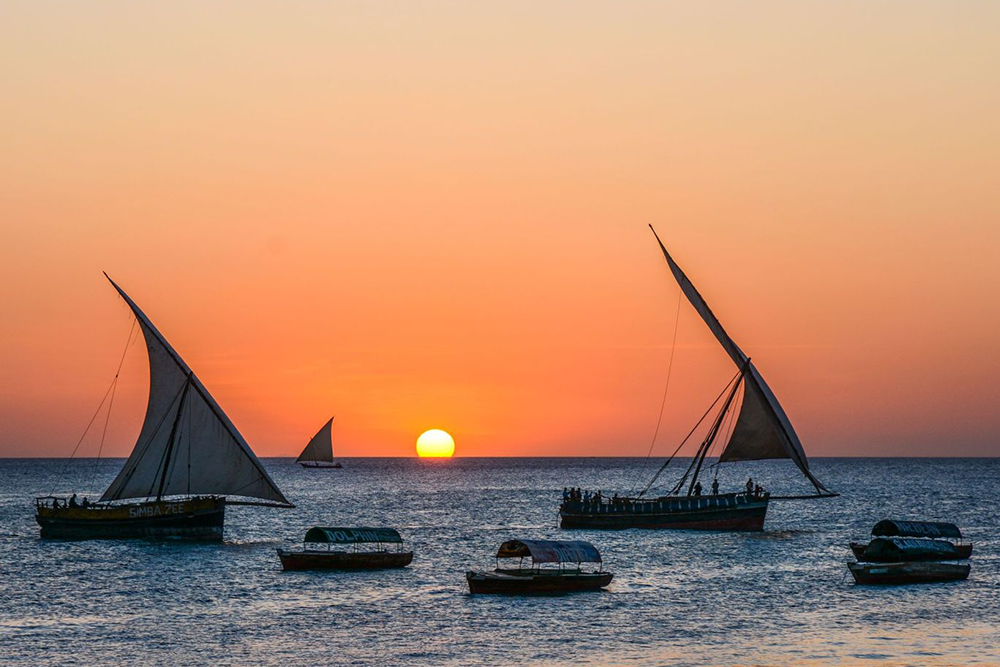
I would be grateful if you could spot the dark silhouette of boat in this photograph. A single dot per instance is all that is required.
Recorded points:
(761, 431)
(538, 579)
(314, 557)
(188, 463)
(318, 454)
(910, 552)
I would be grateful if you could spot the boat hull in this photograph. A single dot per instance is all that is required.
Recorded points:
(892, 574)
(858, 548)
(504, 583)
(727, 512)
(343, 560)
(192, 519)
(320, 465)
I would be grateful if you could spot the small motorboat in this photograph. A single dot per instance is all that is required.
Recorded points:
(315, 557)
(555, 567)
(908, 573)
(931, 542)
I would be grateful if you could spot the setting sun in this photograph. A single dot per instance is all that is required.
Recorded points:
(435, 443)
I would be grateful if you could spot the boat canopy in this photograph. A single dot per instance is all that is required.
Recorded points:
(893, 528)
(352, 535)
(899, 549)
(550, 551)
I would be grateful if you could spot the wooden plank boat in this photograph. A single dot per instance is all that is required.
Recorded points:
(908, 573)
(190, 518)
(188, 459)
(313, 557)
(729, 511)
(539, 583)
(536, 579)
(343, 560)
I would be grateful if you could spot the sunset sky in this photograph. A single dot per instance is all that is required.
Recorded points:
(433, 215)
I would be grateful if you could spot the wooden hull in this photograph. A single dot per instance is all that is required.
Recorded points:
(908, 573)
(858, 548)
(504, 583)
(320, 465)
(343, 560)
(192, 519)
(727, 512)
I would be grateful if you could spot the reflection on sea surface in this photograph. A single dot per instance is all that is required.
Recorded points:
(782, 597)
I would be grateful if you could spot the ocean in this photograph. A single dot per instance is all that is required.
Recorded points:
(779, 597)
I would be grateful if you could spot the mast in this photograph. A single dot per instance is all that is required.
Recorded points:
(713, 433)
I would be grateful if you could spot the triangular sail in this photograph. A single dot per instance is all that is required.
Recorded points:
(187, 445)
(320, 448)
(762, 430)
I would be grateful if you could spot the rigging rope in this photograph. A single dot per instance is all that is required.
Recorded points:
(690, 433)
(666, 387)
(111, 403)
(100, 405)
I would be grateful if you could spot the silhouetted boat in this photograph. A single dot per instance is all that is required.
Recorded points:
(312, 557)
(319, 452)
(921, 540)
(908, 573)
(762, 431)
(536, 579)
(188, 459)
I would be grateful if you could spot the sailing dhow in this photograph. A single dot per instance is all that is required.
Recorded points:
(319, 452)
(188, 462)
(762, 431)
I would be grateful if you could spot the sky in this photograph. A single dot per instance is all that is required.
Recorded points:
(434, 215)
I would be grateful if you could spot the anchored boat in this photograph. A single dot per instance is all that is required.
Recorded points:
(910, 552)
(188, 463)
(761, 431)
(314, 557)
(319, 452)
(554, 567)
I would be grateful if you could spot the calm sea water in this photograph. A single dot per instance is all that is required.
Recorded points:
(781, 597)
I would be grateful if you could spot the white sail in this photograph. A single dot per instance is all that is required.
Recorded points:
(187, 445)
(320, 448)
(762, 430)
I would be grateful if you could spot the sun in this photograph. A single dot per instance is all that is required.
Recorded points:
(435, 443)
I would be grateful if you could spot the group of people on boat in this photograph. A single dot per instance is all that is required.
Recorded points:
(587, 497)
(755, 490)
(72, 502)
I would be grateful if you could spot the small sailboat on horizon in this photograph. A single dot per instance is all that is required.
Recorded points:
(319, 452)
(761, 431)
(187, 463)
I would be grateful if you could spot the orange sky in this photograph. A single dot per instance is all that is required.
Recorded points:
(419, 215)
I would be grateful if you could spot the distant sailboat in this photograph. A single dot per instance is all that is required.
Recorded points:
(188, 460)
(762, 431)
(319, 452)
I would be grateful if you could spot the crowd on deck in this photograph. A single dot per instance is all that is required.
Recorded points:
(587, 497)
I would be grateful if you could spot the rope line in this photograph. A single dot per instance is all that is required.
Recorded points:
(666, 387)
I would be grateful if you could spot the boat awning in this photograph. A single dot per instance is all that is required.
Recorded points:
(352, 535)
(893, 528)
(550, 551)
